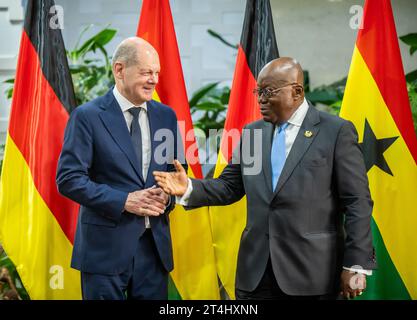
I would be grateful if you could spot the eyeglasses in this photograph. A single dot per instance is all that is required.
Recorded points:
(268, 93)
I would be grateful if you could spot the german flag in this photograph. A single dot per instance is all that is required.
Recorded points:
(376, 101)
(37, 224)
(194, 273)
(257, 47)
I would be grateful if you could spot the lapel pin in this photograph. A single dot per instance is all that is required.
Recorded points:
(308, 134)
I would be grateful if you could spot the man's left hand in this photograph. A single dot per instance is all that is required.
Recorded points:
(159, 195)
(352, 284)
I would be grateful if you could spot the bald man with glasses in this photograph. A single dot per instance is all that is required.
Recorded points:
(308, 233)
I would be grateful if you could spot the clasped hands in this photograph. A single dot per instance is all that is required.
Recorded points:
(147, 202)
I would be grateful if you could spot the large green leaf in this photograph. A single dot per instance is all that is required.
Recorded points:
(411, 76)
(201, 93)
(216, 35)
(210, 106)
(98, 41)
(411, 40)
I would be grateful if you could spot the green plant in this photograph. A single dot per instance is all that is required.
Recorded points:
(91, 77)
(411, 77)
(330, 95)
(219, 37)
(211, 102)
(9, 90)
(411, 40)
(11, 287)
(412, 93)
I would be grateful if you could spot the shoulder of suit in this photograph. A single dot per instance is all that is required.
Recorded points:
(92, 106)
(255, 124)
(331, 119)
(162, 108)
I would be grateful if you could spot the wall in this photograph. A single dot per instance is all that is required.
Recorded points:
(316, 32)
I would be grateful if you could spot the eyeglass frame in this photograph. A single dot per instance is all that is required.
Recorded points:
(268, 93)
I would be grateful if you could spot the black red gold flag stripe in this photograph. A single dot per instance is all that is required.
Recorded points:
(257, 47)
(37, 224)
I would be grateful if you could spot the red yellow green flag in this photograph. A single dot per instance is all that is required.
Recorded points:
(194, 273)
(257, 47)
(37, 224)
(376, 101)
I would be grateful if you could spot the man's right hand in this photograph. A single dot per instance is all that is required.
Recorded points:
(144, 203)
(173, 183)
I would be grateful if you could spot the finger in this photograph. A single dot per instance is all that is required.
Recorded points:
(155, 203)
(164, 186)
(159, 174)
(158, 199)
(161, 183)
(160, 179)
(346, 294)
(178, 166)
(151, 210)
(155, 191)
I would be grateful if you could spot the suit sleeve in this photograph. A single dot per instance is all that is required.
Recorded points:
(73, 179)
(179, 154)
(224, 190)
(355, 199)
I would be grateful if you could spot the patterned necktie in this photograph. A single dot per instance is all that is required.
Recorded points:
(278, 154)
(136, 134)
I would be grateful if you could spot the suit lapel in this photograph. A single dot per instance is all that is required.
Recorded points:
(300, 146)
(113, 119)
(267, 133)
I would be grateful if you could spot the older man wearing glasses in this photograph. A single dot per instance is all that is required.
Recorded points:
(308, 232)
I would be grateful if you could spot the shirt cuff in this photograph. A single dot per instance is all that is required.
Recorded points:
(362, 271)
(183, 201)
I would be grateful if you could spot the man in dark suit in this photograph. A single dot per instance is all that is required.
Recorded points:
(122, 245)
(308, 206)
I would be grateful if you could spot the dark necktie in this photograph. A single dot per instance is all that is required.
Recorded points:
(135, 134)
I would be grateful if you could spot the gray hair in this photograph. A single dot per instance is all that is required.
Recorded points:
(126, 52)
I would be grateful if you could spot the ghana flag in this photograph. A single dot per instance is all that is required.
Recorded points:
(194, 273)
(257, 47)
(37, 224)
(376, 101)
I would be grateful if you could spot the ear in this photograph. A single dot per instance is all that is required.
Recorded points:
(118, 70)
(298, 92)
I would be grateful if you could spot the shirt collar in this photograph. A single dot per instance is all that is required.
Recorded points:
(298, 116)
(124, 103)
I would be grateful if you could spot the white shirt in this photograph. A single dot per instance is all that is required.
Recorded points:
(125, 105)
(294, 125)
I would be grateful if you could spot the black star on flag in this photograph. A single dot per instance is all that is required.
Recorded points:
(373, 149)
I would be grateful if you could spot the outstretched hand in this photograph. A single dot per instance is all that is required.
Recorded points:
(173, 183)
